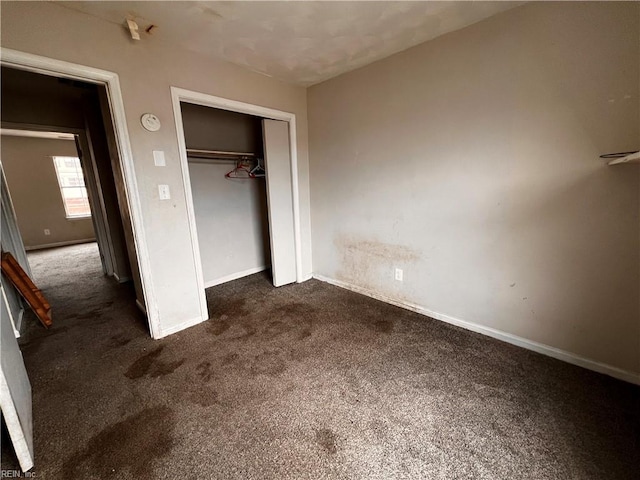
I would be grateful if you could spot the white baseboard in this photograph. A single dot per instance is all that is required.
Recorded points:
(306, 277)
(181, 326)
(141, 307)
(19, 323)
(59, 244)
(234, 276)
(121, 279)
(557, 353)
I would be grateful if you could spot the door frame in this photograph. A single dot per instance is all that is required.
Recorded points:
(94, 188)
(15, 237)
(61, 69)
(188, 96)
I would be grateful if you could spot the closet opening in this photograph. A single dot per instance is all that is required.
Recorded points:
(239, 167)
(225, 156)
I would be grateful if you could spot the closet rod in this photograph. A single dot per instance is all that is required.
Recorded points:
(219, 154)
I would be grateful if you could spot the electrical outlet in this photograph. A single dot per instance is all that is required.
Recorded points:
(47, 231)
(399, 274)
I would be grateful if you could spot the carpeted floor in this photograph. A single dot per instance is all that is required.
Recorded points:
(307, 381)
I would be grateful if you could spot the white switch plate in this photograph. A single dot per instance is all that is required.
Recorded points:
(399, 274)
(158, 158)
(163, 191)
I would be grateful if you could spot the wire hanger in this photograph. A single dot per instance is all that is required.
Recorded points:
(242, 170)
(258, 171)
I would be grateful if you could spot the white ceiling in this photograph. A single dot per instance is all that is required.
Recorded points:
(303, 42)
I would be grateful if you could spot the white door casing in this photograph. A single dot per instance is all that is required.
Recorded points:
(181, 95)
(12, 240)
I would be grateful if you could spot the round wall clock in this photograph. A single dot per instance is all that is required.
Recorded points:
(150, 122)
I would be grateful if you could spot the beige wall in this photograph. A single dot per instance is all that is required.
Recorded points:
(32, 181)
(146, 70)
(231, 214)
(471, 161)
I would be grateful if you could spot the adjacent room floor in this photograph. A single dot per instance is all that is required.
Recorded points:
(305, 381)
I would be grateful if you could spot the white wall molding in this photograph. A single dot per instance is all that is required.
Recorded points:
(19, 322)
(63, 69)
(234, 276)
(16, 323)
(59, 244)
(181, 326)
(120, 279)
(547, 350)
(11, 234)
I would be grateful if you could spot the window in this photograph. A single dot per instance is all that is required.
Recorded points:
(71, 181)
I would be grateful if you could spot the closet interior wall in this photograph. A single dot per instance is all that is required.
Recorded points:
(231, 214)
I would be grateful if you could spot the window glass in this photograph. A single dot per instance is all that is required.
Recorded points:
(72, 189)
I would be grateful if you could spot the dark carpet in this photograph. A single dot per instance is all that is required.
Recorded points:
(306, 381)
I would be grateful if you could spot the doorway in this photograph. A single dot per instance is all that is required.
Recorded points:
(278, 130)
(62, 170)
(112, 102)
(47, 204)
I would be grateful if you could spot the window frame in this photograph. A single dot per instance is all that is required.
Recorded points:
(61, 187)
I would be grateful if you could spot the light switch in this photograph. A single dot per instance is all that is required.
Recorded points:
(163, 190)
(158, 158)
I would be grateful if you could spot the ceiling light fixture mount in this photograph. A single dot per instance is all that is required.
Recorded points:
(133, 29)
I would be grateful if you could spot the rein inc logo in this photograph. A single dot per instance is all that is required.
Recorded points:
(16, 474)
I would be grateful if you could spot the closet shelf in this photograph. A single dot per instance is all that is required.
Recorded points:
(219, 155)
(624, 157)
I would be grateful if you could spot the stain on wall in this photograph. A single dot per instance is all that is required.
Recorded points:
(371, 264)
